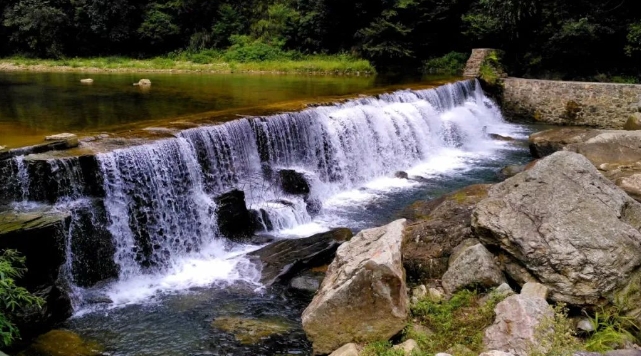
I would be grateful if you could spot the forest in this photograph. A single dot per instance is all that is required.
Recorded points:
(570, 39)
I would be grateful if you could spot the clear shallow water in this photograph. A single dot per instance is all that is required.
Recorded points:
(33, 105)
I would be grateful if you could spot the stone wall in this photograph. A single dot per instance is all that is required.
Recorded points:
(475, 62)
(603, 105)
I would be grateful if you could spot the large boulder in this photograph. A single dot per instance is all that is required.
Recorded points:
(547, 142)
(234, 220)
(435, 228)
(282, 260)
(616, 153)
(517, 328)
(363, 297)
(474, 266)
(39, 236)
(569, 226)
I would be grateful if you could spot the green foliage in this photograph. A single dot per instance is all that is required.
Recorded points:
(612, 330)
(491, 69)
(13, 299)
(556, 335)
(634, 39)
(37, 26)
(458, 321)
(158, 24)
(383, 348)
(452, 63)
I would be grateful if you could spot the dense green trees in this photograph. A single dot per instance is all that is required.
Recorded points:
(570, 38)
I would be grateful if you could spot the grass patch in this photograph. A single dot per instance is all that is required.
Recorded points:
(207, 61)
(556, 335)
(613, 330)
(459, 321)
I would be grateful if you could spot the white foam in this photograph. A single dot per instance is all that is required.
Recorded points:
(200, 270)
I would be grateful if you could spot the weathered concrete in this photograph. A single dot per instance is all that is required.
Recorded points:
(603, 105)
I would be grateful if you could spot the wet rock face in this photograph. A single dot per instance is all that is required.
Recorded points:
(435, 228)
(234, 220)
(284, 259)
(294, 182)
(363, 298)
(40, 237)
(557, 220)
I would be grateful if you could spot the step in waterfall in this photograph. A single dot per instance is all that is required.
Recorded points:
(147, 212)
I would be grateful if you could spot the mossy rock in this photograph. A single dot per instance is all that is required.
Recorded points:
(251, 331)
(62, 343)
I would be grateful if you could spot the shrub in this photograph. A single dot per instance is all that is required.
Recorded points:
(12, 298)
(452, 63)
(557, 335)
(612, 330)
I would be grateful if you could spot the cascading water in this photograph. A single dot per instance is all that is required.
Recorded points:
(159, 198)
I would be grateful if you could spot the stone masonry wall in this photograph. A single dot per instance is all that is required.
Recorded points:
(603, 105)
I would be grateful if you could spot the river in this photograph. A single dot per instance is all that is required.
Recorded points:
(176, 276)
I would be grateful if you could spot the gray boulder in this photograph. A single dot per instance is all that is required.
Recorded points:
(350, 349)
(517, 328)
(363, 297)
(473, 267)
(573, 229)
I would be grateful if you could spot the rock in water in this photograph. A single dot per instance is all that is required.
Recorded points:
(234, 220)
(516, 328)
(363, 297)
(143, 82)
(294, 182)
(70, 139)
(86, 81)
(473, 267)
(284, 259)
(573, 229)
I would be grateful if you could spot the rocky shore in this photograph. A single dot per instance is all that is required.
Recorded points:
(547, 262)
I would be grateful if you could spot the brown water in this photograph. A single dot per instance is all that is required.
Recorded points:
(33, 105)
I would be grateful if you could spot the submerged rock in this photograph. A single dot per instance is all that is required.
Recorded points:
(86, 81)
(498, 137)
(252, 331)
(234, 220)
(143, 83)
(62, 343)
(70, 139)
(282, 260)
(363, 297)
(436, 227)
(569, 226)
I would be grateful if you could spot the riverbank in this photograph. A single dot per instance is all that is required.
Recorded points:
(320, 65)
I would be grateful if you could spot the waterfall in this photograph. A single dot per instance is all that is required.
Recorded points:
(157, 200)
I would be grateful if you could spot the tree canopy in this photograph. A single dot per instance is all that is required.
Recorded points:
(568, 39)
